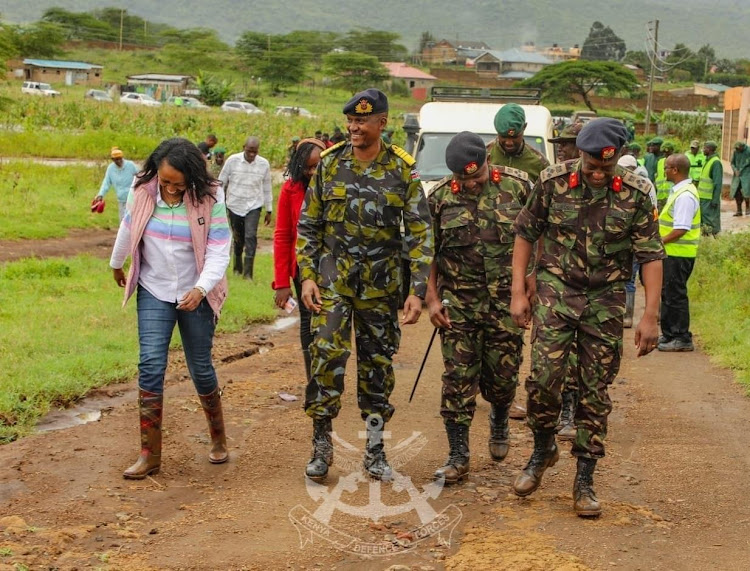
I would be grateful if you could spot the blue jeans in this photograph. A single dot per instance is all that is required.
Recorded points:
(156, 321)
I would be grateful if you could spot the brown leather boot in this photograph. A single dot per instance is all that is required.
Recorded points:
(457, 466)
(215, 416)
(499, 432)
(544, 456)
(584, 498)
(517, 412)
(567, 426)
(151, 406)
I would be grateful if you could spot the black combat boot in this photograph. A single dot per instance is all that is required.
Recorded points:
(322, 453)
(544, 456)
(237, 263)
(499, 432)
(375, 463)
(584, 498)
(627, 321)
(567, 426)
(457, 466)
(247, 267)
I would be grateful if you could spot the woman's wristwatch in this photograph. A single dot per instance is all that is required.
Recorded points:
(200, 289)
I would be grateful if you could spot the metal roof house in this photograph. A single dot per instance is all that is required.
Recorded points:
(159, 85)
(513, 63)
(56, 71)
(418, 81)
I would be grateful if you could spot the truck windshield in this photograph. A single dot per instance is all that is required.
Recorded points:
(430, 155)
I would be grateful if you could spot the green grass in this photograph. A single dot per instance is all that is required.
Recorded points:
(720, 302)
(63, 332)
(42, 201)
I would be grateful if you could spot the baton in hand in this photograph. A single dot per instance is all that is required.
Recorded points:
(427, 353)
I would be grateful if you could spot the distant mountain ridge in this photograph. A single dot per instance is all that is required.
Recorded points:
(501, 24)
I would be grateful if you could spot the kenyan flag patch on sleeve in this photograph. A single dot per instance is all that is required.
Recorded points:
(415, 174)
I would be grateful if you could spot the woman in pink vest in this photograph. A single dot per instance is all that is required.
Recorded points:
(176, 231)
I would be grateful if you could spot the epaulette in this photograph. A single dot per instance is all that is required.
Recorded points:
(440, 184)
(329, 150)
(401, 153)
(553, 171)
(632, 179)
(515, 173)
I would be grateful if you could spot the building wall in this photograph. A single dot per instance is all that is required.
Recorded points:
(736, 120)
(58, 76)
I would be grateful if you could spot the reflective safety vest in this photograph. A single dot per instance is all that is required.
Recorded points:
(687, 245)
(706, 183)
(696, 165)
(663, 186)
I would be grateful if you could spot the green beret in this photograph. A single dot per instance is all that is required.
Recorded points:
(510, 120)
(220, 151)
(602, 138)
(667, 147)
(711, 144)
(635, 147)
(656, 141)
(739, 144)
(367, 102)
(568, 134)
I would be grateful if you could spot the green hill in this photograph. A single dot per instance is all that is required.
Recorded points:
(501, 24)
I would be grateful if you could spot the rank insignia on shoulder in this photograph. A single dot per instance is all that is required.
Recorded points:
(495, 175)
(455, 186)
(573, 181)
(617, 183)
(656, 214)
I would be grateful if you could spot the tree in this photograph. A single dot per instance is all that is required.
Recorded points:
(40, 40)
(194, 49)
(284, 66)
(212, 90)
(639, 58)
(563, 81)
(382, 45)
(602, 44)
(424, 40)
(355, 71)
(81, 25)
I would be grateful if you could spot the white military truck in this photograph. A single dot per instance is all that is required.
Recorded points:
(439, 121)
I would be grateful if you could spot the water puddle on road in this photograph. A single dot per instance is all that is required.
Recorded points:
(283, 323)
(88, 410)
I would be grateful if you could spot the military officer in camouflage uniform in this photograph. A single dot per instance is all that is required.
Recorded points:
(349, 251)
(593, 216)
(472, 213)
(510, 149)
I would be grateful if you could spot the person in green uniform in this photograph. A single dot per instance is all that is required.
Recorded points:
(593, 217)
(662, 184)
(740, 188)
(697, 160)
(635, 150)
(364, 205)
(709, 190)
(653, 154)
(509, 148)
(468, 295)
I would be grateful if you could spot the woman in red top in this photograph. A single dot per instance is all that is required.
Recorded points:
(302, 166)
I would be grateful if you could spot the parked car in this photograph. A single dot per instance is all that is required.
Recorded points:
(38, 88)
(97, 95)
(187, 101)
(290, 111)
(139, 99)
(240, 107)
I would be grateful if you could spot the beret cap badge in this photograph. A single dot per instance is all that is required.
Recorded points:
(471, 168)
(363, 106)
(511, 133)
(608, 152)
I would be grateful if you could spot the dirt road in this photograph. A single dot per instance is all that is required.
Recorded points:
(673, 485)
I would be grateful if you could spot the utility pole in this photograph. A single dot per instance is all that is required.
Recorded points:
(653, 60)
(122, 18)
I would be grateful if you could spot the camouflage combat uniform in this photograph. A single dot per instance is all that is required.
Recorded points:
(590, 236)
(349, 242)
(529, 160)
(473, 252)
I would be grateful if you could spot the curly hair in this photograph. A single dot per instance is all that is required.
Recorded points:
(185, 157)
(297, 166)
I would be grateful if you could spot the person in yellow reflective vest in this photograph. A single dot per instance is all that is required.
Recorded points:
(697, 160)
(661, 182)
(709, 190)
(680, 230)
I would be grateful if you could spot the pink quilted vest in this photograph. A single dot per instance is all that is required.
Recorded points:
(143, 209)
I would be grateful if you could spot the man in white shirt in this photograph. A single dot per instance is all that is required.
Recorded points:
(246, 177)
(679, 227)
